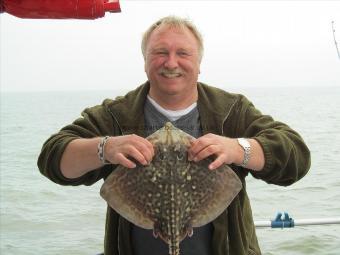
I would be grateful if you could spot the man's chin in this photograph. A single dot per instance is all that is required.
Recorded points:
(169, 86)
(173, 89)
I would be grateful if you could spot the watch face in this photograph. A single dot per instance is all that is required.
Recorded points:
(243, 142)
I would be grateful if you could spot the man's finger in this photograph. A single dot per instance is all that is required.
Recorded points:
(147, 151)
(137, 155)
(216, 163)
(143, 146)
(122, 160)
(196, 146)
(206, 152)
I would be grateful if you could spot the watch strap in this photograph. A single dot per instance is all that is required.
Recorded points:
(247, 150)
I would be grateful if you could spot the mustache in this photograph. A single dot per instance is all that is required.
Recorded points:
(170, 71)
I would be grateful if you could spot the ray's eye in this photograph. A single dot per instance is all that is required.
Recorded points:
(162, 156)
(180, 155)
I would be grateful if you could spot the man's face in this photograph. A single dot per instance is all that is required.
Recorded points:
(172, 61)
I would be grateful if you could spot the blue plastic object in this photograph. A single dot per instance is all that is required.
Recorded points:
(282, 221)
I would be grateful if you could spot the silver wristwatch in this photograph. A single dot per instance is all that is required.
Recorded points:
(246, 147)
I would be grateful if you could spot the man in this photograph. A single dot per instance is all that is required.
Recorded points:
(269, 150)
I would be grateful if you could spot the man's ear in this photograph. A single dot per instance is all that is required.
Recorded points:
(144, 64)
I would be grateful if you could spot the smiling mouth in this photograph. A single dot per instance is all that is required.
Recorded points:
(171, 75)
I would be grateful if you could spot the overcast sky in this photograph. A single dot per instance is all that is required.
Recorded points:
(247, 43)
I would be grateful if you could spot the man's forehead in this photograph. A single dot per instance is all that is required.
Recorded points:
(164, 29)
(160, 37)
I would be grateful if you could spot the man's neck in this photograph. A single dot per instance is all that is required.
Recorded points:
(174, 102)
(170, 114)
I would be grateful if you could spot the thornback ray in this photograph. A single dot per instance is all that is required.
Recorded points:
(171, 195)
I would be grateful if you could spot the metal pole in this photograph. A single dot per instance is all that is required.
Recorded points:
(335, 42)
(304, 222)
(263, 223)
(282, 220)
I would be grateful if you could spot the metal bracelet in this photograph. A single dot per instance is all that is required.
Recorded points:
(101, 150)
(247, 150)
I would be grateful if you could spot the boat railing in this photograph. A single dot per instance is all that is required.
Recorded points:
(283, 220)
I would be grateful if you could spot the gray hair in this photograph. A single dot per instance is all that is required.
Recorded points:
(174, 22)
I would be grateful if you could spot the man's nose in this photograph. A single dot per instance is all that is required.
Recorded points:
(171, 62)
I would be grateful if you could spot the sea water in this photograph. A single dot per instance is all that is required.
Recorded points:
(41, 217)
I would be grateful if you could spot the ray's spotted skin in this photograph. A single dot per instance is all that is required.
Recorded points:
(171, 195)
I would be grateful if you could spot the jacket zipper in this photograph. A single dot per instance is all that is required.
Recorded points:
(119, 220)
(222, 132)
(226, 117)
(227, 244)
(118, 236)
(114, 117)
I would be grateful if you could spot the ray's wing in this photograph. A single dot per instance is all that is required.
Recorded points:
(206, 194)
(211, 191)
(129, 192)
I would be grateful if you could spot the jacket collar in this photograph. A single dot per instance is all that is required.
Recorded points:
(128, 110)
(214, 106)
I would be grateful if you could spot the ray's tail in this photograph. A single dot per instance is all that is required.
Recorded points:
(174, 248)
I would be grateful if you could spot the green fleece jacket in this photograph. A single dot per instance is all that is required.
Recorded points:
(287, 158)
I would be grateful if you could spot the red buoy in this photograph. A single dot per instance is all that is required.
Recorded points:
(59, 9)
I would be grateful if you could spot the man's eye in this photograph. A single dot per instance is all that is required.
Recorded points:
(183, 53)
(162, 53)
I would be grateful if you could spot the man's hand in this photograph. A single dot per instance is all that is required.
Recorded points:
(226, 150)
(119, 149)
(80, 155)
